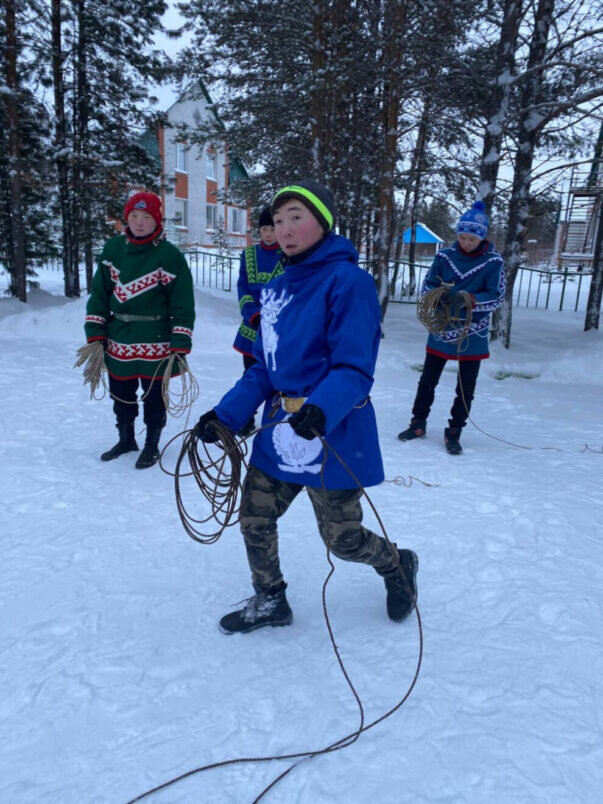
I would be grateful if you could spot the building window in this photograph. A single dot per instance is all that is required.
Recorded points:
(181, 215)
(211, 165)
(238, 220)
(181, 157)
(211, 211)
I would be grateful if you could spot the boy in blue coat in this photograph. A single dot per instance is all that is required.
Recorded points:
(259, 265)
(472, 265)
(316, 353)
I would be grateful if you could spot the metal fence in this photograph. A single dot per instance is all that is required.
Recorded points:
(212, 270)
(539, 288)
(552, 290)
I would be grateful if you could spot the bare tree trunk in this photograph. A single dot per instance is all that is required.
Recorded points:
(17, 259)
(522, 177)
(420, 148)
(82, 205)
(595, 294)
(395, 14)
(499, 101)
(317, 105)
(62, 152)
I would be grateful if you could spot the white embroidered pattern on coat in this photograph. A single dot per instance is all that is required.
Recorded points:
(140, 285)
(137, 351)
(271, 307)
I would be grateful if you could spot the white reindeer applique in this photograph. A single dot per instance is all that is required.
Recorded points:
(271, 307)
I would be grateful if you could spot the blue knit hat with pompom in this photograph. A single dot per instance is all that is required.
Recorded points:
(474, 222)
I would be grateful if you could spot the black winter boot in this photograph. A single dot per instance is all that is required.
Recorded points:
(264, 608)
(451, 440)
(150, 452)
(416, 429)
(401, 585)
(126, 443)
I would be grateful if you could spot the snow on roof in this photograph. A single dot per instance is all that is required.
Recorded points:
(424, 235)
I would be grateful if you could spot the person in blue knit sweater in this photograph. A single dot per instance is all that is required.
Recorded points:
(470, 265)
(316, 352)
(259, 265)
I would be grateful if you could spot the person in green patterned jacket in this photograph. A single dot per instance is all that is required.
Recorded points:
(259, 265)
(142, 308)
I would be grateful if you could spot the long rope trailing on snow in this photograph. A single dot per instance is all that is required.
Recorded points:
(221, 488)
(92, 357)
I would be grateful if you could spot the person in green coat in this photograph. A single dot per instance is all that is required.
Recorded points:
(142, 308)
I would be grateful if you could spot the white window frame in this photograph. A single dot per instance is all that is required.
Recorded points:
(212, 225)
(211, 165)
(181, 211)
(237, 216)
(181, 157)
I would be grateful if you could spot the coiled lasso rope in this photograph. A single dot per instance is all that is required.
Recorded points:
(436, 316)
(221, 490)
(92, 357)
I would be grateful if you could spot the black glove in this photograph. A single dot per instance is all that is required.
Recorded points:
(307, 419)
(457, 306)
(204, 429)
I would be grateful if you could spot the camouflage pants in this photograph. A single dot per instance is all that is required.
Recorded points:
(339, 516)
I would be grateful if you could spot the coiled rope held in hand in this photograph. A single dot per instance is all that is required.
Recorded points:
(221, 489)
(92, 357)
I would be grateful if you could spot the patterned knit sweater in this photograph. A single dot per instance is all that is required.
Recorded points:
(150, 281)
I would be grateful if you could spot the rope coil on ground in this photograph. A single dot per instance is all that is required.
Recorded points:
(222, 495)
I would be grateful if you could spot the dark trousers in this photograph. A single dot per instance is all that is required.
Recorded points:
(338, 513)
(430, 376)
(127, 410)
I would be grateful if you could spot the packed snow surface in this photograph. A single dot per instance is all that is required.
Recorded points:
(113, 673)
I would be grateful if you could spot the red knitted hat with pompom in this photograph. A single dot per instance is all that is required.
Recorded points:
(145, 202)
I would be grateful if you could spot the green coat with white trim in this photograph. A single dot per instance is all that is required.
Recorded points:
(152, 281)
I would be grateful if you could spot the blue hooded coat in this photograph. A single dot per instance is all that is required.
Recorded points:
(319, 337)
(480, 273)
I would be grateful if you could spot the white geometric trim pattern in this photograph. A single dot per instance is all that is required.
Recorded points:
(125, 352)
(95, 319)
(476, 328)
(182, 331)
(477, 268)
(137, 286)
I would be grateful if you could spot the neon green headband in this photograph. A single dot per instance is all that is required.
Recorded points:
(313, 199)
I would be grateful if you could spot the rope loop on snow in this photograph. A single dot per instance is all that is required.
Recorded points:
(221, 488)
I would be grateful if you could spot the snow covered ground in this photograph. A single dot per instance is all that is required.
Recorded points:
(114, 677)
